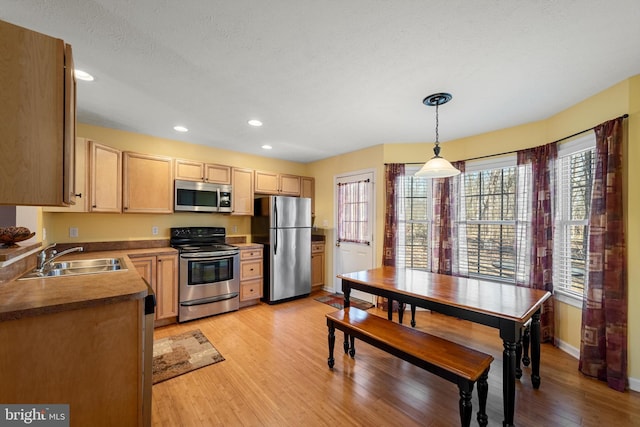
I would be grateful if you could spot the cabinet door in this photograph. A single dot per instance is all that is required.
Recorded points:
(69, 161)
(189, 170)
(32, 109)
(167, 286)
(80, 177)
(148, 184)
(242, 192)
(146, 267)
(266, 182)
(290, 185)
(317, 269)
(308, 189)
(218, 174)
(105, 175)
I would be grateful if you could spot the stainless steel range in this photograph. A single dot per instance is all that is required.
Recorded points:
(209, 272)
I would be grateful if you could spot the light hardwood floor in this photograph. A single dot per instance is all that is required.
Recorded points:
(276, 374)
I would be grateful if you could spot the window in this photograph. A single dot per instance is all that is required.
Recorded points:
(415, 222)
(488, 219)
(353, 212)
(575, 170)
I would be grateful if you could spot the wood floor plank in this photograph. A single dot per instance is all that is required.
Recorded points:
(275, 373)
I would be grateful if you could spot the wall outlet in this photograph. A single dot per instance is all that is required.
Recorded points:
(325, 223)
(73, 231)
(154, 230)
(235, 229)
(44, 234)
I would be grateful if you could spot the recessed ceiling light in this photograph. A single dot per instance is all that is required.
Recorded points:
(267, 147)
(180, 129)
(255, 122)
(83, 75)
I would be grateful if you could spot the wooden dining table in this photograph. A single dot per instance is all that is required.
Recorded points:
(503, 306)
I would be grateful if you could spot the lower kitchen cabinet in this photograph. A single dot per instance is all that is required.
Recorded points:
(251, 275)
(317, 265)
(88, 358)
(161, 272)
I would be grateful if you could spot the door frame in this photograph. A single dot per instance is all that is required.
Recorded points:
(337, 285)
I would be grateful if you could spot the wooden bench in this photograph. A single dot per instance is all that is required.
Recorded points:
(458, 364)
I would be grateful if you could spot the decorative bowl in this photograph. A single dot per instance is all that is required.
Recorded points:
(9, 236)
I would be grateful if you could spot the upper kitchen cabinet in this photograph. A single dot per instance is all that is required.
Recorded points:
(80, 180)
(197, 171)
(105, 177)
(37, 118)
(242, 191)
(308, 189)
(147, 183)
(276, 183)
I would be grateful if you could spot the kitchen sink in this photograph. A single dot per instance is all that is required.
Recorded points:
(77, 267)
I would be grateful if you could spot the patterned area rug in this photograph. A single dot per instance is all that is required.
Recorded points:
(336, 300)
(179, 354)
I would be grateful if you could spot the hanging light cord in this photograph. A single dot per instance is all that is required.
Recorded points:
(436, 148)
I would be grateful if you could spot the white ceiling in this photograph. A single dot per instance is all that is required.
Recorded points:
(333, 76)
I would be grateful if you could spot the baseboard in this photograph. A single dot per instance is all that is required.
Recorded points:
(634, 383)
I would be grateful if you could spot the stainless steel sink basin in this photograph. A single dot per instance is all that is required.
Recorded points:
(77, 267)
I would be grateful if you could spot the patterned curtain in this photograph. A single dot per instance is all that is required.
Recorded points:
(534, 226)
(393, 187)
(603, 344)
(445, 197)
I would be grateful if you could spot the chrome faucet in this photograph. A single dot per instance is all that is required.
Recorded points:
(46, 263)
(42, 256)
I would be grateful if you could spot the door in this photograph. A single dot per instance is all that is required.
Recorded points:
(355, 222)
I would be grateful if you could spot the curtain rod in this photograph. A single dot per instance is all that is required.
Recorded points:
(624, 116)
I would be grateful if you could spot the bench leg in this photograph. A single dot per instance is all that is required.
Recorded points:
(332, 342)
(466, 390)
(483, 391)
(401, 306)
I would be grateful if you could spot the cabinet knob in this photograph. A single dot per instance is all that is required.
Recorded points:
(79, 195)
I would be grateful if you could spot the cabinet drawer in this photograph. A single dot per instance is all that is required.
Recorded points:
(317, 247)
(250, 254)
(250, 269)
(251, 289)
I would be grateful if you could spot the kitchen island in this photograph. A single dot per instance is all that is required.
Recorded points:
(77, 340)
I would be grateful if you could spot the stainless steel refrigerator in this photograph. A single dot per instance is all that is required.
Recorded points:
(283, 225)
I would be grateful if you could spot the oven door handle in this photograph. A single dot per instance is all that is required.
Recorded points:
(210, 299)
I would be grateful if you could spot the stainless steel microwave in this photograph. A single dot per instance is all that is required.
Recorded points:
(193, 196)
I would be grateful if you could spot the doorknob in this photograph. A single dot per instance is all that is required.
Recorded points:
(338, 243)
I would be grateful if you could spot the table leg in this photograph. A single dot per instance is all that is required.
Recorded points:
(535, 350)
(389, 309)
(413, 315)
(509, 381)
(346, 290)
(400, 312)
(332, 341)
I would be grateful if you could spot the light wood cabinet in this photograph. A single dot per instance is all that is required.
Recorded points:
(147, 183)
(242, 191)
(105, 177)
(308, 189)
(317, 265)
(191, 170)
(80, 179)
(38, 118)
(251, 275)
(161, 272)
(276, 183)
(89, 358)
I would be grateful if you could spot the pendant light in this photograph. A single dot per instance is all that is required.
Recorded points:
(437, 167)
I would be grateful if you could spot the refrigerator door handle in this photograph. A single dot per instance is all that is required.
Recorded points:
(275, 217)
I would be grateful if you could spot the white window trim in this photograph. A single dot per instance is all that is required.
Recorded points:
(584, 142)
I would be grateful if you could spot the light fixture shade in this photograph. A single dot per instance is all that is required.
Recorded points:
(437, 167)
